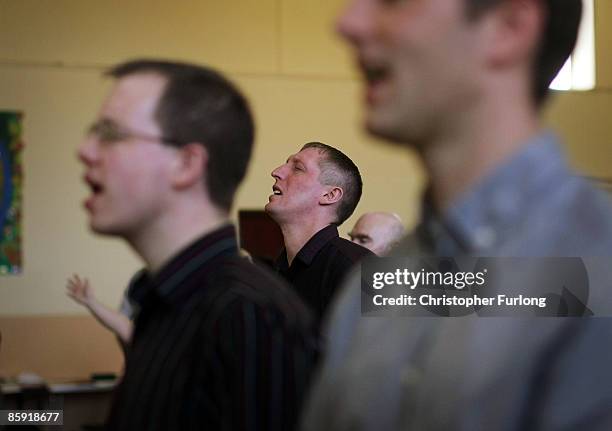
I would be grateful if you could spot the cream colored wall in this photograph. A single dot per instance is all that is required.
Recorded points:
(584, 118)
(281, 52)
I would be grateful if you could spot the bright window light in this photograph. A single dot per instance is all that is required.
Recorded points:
(578, 73)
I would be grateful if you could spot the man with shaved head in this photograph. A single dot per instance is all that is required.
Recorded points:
(378, 231)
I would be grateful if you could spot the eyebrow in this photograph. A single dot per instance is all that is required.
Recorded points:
(295, 159)
(107, 120)
(104, 122)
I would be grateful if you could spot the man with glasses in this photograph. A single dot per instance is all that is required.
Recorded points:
(218, 343)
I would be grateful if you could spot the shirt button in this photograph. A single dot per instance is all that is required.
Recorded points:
(484, 237)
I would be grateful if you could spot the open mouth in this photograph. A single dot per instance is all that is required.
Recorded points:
(276, 191)
(374, 72)
(374, 75)
(95, 187)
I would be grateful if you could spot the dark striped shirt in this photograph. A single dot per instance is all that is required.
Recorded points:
(218, 344)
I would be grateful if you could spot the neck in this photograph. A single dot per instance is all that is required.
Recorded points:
(159, 243)
(295, 236)
(479, 142)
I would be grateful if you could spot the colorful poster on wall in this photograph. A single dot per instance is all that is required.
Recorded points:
(11, 189)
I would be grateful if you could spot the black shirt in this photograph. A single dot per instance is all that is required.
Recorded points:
(218, 344)
(319, 268)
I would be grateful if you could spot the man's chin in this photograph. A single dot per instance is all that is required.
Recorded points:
(279, 215)
(270, 210)
(389, 133)
(384, 133)
(103, 229)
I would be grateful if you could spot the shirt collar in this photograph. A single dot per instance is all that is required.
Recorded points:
(168, 283)
(308, 252)
(485, 215)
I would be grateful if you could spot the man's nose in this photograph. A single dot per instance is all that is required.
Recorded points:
(87, 151)
(355, 22)
(277, 173)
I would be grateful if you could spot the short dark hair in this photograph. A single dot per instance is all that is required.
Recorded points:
(558, 39)
(199, 105)
(338, 169)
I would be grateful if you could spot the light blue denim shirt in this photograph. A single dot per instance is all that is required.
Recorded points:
(480, 374)
(533, 205)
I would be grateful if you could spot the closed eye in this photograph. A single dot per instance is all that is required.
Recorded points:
(393, 2)
(360, 239)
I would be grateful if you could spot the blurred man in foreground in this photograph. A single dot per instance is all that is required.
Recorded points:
(378, 231)
(217, 343)
(463, 82)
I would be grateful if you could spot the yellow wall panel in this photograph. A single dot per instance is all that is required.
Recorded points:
(309, 42)
(583, 119)
(603, 42)
(235, 35)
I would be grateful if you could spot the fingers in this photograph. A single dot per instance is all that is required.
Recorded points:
(78, 289)
(73, 284)
(73, 281)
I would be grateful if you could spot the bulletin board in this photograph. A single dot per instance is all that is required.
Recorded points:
(11, 193)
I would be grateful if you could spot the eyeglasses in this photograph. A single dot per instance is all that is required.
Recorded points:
(108, 132)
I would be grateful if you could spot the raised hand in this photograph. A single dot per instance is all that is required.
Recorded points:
(80, 290)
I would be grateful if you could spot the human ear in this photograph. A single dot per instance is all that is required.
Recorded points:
(191, 163)
(333, 195)
(516, 28)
